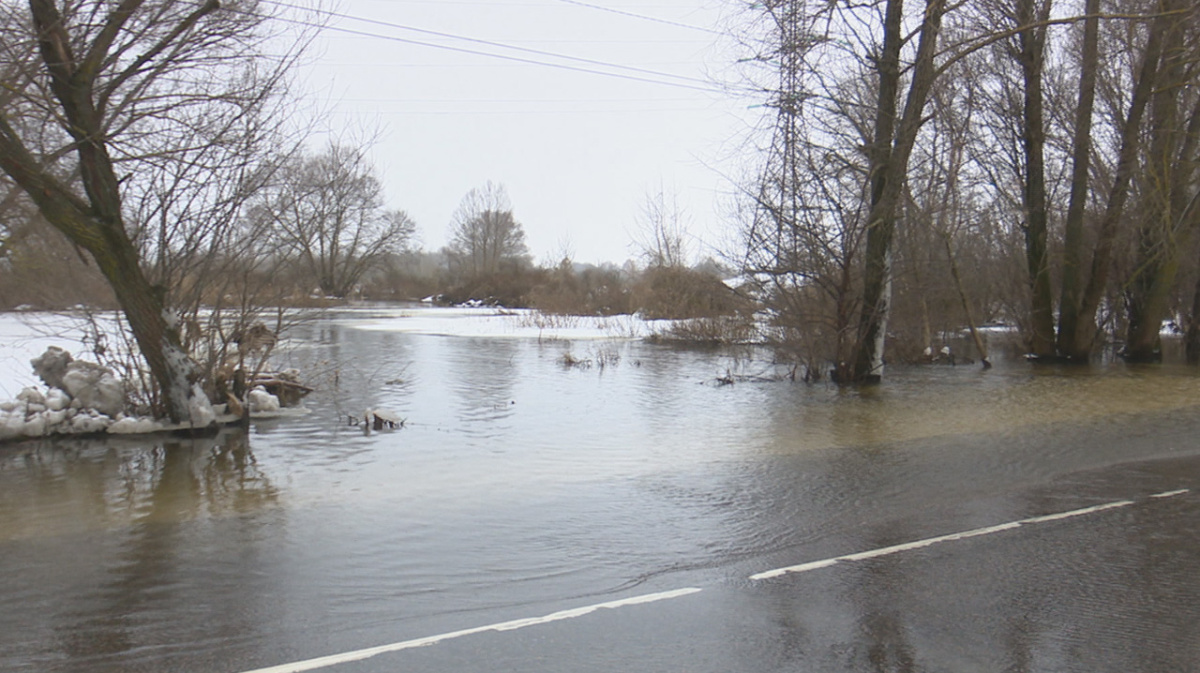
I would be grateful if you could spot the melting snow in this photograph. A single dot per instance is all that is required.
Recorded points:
(503, 323)
(32, 412)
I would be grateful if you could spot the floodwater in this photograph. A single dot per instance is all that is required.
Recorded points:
(517, 485)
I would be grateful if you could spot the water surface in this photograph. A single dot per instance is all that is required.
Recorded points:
(516, 484)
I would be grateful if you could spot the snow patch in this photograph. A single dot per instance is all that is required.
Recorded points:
(57, 399)
(131, 426)
(200, 410)
(262, 401)
(478, 322)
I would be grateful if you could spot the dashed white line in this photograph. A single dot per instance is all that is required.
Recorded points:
(359, 655)
(919, 544)
(366, 653)
(1077, 512)
(1169, 494)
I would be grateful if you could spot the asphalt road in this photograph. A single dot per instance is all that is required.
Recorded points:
(1098, 570)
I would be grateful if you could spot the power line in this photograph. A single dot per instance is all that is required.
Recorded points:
(643, 17)
(538, 52)
(580, 101)
(521, 112)
(489, 43)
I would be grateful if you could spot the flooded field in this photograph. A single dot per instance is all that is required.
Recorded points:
(517, 482)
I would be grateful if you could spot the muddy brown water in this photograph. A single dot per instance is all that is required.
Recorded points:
(516, 482)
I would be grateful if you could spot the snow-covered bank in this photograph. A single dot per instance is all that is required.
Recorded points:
(80, 398)
(24, 336)
(46, 391)
(89, 399)
(503, 323)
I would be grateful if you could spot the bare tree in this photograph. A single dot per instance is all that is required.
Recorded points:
(1169, 214)
(893, 135)
(1074, 343)
(803, 228)
(1029, 17)
(484, 236)
(944, 218)
(851, 131)
(662, 231)
(326, 213)
(101, 95)
(843, 150)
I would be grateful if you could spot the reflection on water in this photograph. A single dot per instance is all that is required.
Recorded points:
(105, 485)
(110, 548)
(481, 374)
(1115, 594)
(516, 482)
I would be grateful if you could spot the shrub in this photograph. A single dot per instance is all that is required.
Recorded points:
(679, 292)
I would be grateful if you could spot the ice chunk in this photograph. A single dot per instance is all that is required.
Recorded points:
(88, 423)
(54, 419)
(131, 425)
(57, 399)
(51, 366)
(200, 409)
(94, 387)
(260, 400)
(35, 426)
(11, 426)
(31, 396)
(110, 395)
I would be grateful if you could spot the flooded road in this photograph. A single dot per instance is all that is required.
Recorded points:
(520, 486)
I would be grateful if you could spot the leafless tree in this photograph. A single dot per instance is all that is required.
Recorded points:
(1168, 194)
(661, 238)
(1097, 196)
(105, 105)
(326, 214)
(802, 230)
(832, 194)
(484, 236)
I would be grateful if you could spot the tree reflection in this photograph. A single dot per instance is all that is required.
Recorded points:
(879, 594)
(118, 538)
(231, 477)
(482, 375)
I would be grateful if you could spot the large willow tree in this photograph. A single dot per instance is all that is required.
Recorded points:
(99, 100)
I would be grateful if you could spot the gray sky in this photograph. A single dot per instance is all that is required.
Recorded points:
(577, 151)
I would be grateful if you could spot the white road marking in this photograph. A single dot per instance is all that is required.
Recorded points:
(359, 655)
(1077, 512)
(1171, 494)
(907, 546)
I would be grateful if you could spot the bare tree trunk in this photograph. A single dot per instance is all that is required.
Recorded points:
(889, 167)
(1192, 337)
(1068, 345)
(1033, 57)
(980, 347)
(96, 224)
(1165, 228)
(117, 259)
(1080, 342)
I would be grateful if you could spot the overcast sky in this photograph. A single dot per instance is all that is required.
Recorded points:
(577, 151)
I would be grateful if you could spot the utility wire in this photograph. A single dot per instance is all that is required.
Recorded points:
(489, 43)
(580, 101)
(644, 17)
(518, 59)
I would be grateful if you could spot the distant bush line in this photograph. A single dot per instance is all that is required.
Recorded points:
(52, 278)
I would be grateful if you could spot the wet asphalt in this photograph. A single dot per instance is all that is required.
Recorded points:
(1116, 588)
